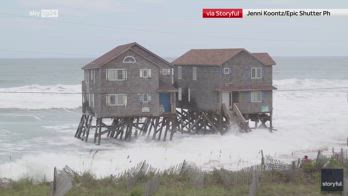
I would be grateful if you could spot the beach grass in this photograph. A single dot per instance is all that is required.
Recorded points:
(190, 181)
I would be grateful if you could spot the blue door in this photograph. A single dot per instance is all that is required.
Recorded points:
(165, 101)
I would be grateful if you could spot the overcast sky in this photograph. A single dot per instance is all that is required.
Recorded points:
(88, 28)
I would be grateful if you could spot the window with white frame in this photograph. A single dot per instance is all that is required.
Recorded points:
(256, 96)
(145, 98)
(116, 99)
(165, 72)
(129, 59)
(227, 70)
(179, 94)
(256, 72)
(179, 72)
(116, 74)
(145, 73)
(194, 73)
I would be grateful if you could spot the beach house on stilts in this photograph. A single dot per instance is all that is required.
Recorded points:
(127, 91)
(220, 86)
(130, 91)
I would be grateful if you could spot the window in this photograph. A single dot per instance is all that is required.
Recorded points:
(145, 109)
(194, 73)
(92, 75)
(179, 94)
(116, 99)
(145, 73)
(172, 70)
(188, 94)
(145, 98)
(87, 76)
(226, 70)
(116, 74)
(179, 72)
(129, 59)
(91, 99)
(256, 72)
(256, 96)
(165, 72)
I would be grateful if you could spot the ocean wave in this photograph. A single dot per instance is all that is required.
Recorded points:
(48, 97)
(41, 97)
(298, 84)
(305, 121)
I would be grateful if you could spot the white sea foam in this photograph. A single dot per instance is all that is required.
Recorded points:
(40, 97)
(306, 121)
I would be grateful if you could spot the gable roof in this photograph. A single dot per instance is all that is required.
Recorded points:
(264, 58)
(119, 50)
(217, 57)
(207, 56)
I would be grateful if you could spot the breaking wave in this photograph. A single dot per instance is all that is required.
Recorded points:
(41, 97)
(306, 121)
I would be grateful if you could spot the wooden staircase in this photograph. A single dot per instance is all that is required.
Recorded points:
(236, 116)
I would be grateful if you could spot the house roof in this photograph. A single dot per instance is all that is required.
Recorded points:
(217, 57)
(119, 50)
(265, 58)
(207, 56)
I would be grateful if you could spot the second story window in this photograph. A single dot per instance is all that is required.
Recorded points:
(179, 72)
(194, 73)
(145, 73)
(116, 74)
(256, 72)
(129, 59)
(165, 72)
(116, 99)
(227, 70)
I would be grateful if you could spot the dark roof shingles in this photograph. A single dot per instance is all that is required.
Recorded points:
(207, 56)
(264, 58)
(217, 57)
(107, 57)
(114, 53)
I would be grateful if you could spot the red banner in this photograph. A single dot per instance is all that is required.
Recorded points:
(222, 13)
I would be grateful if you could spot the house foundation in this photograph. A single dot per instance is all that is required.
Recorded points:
(126, 128)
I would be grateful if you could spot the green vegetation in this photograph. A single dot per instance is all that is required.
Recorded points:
(185, 180)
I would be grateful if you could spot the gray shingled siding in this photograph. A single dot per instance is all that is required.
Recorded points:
(203, 91)
(203, 94)
(134, 86)
(241, 66)
(247, 107)
(162, 65)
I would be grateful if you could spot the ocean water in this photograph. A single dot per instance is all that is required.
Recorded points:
(36, 130)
